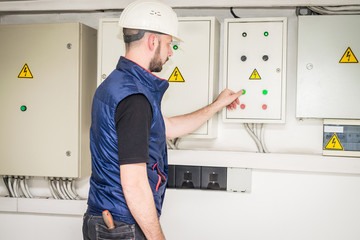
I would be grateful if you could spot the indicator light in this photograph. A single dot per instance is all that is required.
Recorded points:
(265, 92)
(264, 106)
(243, 58)
(242, 106)
(244, 34)
(175, 47)
(244, 91)
(265, 58)
(266, 34)
(23, 108)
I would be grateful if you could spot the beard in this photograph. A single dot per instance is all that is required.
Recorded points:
(155, 63)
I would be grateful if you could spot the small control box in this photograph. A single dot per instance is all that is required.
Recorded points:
(341, 138)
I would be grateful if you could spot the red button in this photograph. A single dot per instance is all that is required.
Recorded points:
(242, 106)
(264, 106)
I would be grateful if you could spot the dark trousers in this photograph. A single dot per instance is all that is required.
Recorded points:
(94, 228)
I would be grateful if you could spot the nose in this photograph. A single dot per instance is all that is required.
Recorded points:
(170, 53)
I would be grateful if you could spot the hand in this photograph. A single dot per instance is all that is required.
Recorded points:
(229, 99)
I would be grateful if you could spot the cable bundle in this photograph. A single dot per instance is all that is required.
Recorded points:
(63, 188)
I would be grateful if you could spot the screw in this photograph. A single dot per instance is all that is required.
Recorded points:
(103, 76)
(69, 46)
(68, 153)
(309, 66)
(243, 58)
(278, 70)
(265, 57)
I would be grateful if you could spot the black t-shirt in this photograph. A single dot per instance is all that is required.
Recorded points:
(133, 120)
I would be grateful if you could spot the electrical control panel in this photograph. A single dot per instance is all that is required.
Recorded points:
(341, 137)
(192, 71)
(48, 78)
(255, 60)
(328, 67)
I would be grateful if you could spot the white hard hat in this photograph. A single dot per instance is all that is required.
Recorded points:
(150, 15)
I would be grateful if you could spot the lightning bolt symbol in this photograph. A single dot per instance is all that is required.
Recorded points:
(348, 55)
(334, 142)
(176, 75)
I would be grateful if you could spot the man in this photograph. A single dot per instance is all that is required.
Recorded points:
(128, 132)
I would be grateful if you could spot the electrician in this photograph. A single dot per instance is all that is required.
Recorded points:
(128, 132)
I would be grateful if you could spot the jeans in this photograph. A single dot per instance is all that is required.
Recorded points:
(94, 228)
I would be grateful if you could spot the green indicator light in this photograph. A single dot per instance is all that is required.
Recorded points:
(23, 108)
(244, 34)
(265, 92)
(244, 91)
(266, 34)
(175, 47)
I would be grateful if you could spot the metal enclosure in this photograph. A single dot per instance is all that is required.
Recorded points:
(327, 71)
(255, 60)
(192, 71)
(48, 77)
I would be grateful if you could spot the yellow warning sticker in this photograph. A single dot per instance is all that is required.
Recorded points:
(255, 75)
(25, 72)
(348, 57)
(334, 143)
(176, 76)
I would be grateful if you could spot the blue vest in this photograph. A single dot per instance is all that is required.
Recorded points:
(105, 186)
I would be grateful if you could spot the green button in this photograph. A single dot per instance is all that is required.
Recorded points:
(175, 47)
(244, 91)
(23, 108)
(244, 34)
(266, 34)
(265, 92)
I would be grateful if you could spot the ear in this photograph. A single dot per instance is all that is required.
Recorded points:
(152, 42)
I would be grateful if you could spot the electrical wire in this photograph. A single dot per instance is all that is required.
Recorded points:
(337, 10)
(232, 13)
(62, 196)
(22, 186)
(52, 189)
(27, 188)
(69, 182)
(5, 179)
(10, 186)
(262, 139)
(64, 186)
(170, 144)
(74, 189)
(253, 136)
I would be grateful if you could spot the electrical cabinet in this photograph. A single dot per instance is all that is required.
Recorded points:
(192, 71)
(48, 78)
(328, 67)
(255, 60)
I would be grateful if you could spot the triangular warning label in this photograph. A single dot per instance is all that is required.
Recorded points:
(176, 76)
(25, 72)
(334, 143)
(255, 75)
(348, 57)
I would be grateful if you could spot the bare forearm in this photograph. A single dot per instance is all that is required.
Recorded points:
(140, 201)
(183, 124)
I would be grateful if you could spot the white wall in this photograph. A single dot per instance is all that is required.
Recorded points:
(282, 204)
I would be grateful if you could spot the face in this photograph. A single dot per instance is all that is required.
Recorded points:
(162, 53)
